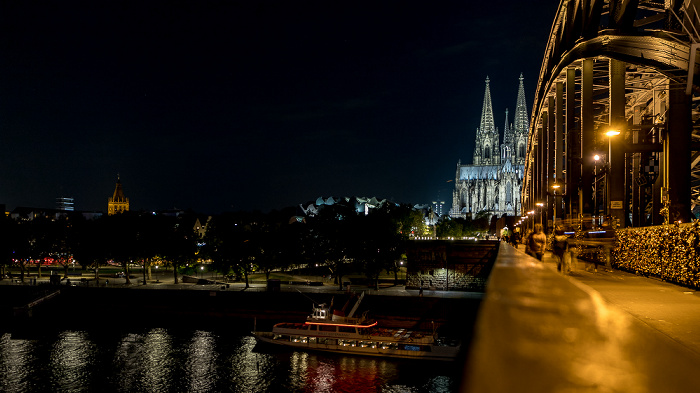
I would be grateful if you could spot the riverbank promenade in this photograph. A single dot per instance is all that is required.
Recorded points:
(607, 331)
(538, 330)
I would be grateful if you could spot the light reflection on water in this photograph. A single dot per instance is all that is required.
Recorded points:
(167, 360)
(69, 361)
(15, 355)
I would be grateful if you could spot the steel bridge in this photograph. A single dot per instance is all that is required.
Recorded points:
(615, 126)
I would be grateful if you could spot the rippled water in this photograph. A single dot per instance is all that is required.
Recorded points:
(171, 360)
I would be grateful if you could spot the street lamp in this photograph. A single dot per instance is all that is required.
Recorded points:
(595, 190)
(540, 205)
(555, 187)
(609, 134)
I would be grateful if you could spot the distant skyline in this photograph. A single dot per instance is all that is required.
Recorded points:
(218, 106)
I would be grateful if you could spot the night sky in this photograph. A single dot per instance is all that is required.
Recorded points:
(241, 105)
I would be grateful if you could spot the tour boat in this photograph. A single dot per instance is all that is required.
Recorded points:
(328, 331)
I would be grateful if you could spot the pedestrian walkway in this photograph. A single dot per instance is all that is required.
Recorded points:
(670, 309)
(542, 331)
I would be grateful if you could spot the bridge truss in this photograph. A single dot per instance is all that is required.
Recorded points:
(617, 65)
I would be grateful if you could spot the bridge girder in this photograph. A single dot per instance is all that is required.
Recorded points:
(655, 42)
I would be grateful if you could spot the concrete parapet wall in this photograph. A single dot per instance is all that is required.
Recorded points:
(540, 331)
(462, 265)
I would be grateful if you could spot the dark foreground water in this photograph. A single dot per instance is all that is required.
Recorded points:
(191, 360)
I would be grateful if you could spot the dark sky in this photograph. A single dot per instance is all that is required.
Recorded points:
(242, 105)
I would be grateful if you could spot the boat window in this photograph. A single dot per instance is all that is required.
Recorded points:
(411, 347)
(368, 344)
(320, 313)
(327, 328)
(388, 345)
(346, 329)
(312, 340)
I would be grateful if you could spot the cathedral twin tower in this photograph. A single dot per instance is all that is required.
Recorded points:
(493, 183)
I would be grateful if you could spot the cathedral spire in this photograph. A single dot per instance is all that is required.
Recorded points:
(521, 116)
(507, 132)
(521, 127)
(487, 124)
(486, 150)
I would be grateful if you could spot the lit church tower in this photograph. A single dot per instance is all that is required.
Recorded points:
(118, 203)
(486, 150)
(521, 127)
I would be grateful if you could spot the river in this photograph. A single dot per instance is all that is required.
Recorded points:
(153, 359)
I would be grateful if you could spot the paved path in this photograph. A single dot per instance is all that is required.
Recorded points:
(670, 309)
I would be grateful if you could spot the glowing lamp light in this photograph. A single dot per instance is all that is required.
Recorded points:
(612, 133)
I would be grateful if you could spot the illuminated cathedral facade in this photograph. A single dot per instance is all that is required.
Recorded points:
(492, 184)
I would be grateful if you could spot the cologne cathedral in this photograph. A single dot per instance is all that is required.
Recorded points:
(492, 184)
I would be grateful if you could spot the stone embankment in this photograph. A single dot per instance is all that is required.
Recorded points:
(239, 309)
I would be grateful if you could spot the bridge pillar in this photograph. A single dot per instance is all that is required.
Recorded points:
(542, 167)
(587, 138)
(558, 194)
(551, 149)
(617, 187)
(676, 145)
(573, 148)
(637, 188)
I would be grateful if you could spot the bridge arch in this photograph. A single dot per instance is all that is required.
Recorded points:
(623, 66)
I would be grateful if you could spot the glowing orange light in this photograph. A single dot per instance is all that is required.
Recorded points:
(340, 324)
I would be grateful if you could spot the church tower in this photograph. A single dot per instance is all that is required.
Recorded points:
(118, 203)
(486, 150)
(521, 128)
(507, 149)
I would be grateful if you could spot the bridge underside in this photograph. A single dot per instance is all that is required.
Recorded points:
(632, 77)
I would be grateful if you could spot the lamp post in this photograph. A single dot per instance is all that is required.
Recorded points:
(595, 190)
(540, 205)
(609, 134)
(555, 187)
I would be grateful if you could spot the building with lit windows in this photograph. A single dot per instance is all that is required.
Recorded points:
(65, 204)
(438, 207)
(492, 184)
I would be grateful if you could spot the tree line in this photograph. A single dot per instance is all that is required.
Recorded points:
(235, 243)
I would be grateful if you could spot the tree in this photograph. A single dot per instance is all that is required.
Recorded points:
(8, 228)
(329, 238)
(89, 243)
(223, 243)
(180, 244)
(451, 228)
(379, 242)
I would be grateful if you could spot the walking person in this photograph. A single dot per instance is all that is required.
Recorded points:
(560, 248)
(536, 242)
